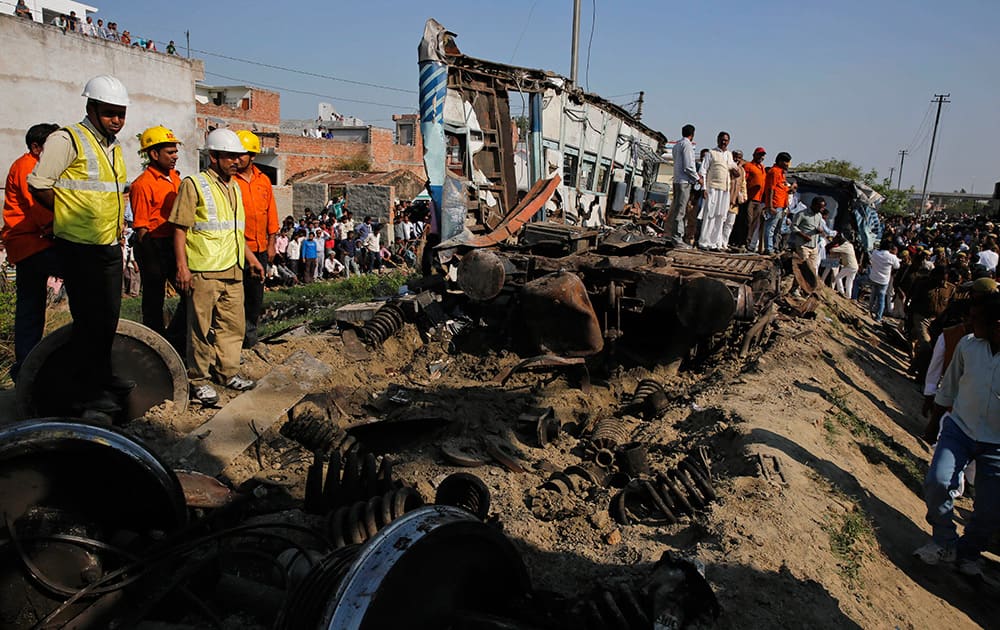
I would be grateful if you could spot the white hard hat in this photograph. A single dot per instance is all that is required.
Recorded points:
(224, 140)
(106, 89)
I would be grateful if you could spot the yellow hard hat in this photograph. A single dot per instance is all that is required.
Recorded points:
(157, 135)
(250, 140)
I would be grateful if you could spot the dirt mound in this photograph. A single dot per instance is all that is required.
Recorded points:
(812, 451)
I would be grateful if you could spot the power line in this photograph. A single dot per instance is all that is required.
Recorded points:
(923, 128)
(304, 72)
(306, 92)
(524, 30)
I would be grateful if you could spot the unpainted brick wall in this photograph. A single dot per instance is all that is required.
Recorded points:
(265, 111)
(283, 198)
(368, 199)
(309, 195)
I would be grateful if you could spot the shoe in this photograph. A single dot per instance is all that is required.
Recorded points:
(240, 384)
(120, 386)
(205, 394)
(934, 554)
(103, 402)
(970, 567)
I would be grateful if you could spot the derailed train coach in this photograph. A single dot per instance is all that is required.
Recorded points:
(531, 232)
(479, 168)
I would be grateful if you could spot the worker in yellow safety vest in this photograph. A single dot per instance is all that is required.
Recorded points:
(81, 178)
(211, 250)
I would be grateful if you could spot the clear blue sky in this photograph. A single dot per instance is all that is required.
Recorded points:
(846, 79)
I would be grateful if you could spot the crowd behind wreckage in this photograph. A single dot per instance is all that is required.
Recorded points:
(214, 235)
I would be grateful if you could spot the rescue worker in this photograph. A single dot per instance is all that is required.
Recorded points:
(261, 229)
(27, 236)
(152, 195)
(81, 177)
(208, 219)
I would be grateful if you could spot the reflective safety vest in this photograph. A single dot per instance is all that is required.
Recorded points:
(215, 242)
(89, 195)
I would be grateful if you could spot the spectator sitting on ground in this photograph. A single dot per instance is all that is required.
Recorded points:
(331, 266)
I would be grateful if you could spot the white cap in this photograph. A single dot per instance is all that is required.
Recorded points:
(224, 140)
(106, 89)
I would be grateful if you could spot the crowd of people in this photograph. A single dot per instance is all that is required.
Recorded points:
(73, 24)
(216, 238)
(331, 244)
(210, 235)
(71, 212)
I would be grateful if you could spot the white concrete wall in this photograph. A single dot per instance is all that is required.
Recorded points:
(42, 82)
(59, 6)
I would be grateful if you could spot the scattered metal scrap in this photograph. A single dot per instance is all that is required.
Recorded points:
(770, 467)
(464, 491)
(674, 492)
(384, 324)
(360, 521)
(675, 596)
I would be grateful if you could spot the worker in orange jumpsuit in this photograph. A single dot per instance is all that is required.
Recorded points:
(261, 229)
(152, 197)
(27, 235)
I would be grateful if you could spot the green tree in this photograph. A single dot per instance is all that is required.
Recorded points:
(523, 125)
(896, 201)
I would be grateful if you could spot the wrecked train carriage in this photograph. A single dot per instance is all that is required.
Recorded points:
(479, 169)
(653, 298)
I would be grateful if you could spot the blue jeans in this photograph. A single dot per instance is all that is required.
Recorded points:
(770, 230)
(876, 304)
(954, 451)
(29, 311)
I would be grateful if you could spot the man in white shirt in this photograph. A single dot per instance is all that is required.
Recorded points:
(883, 262)
(717, 169)
(685, 176)
(970, 431)
(988, 257)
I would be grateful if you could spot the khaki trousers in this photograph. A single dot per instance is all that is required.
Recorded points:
(216, 305)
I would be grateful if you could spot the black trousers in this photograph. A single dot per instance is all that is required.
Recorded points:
(93, 278)
(157, 267)
(253, 300)
(29, 311)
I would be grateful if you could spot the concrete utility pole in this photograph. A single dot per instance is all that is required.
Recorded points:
(902, 156)
(892, 169)
(638, 109)
(940, 99)
(576, 41)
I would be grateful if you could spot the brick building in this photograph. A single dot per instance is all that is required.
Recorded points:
(288, 152)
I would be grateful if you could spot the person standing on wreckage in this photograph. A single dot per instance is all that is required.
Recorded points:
(717, 169)
(211, 249)
(80, 177)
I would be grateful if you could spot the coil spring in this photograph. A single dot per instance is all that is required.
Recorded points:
(622, 608)
(384, 324)
(609, 433)
(354, 478)
(305, 604)
(650, 398)
(605, 439)
(560, 483)
(357, 523)
(465, 491)
(680, 490)
(317, 434)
